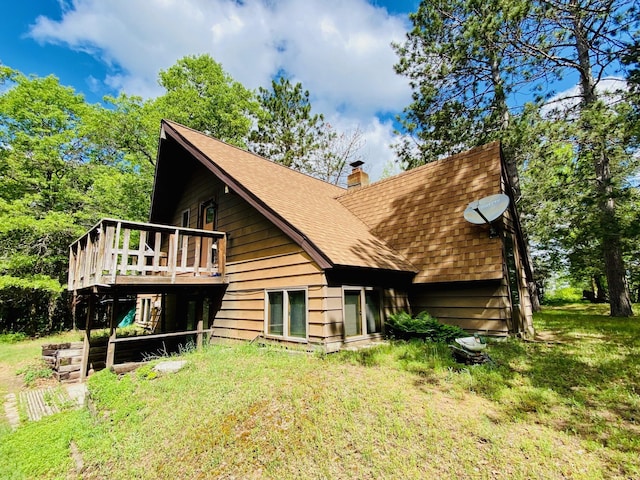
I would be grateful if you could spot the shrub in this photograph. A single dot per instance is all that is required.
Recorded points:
(12, 338)
(562, 296)
(34, 371)
(424, 326)
(33, 306)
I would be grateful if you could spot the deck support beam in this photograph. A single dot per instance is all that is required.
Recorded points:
(86, 343)
(199, 324)
(111, 346)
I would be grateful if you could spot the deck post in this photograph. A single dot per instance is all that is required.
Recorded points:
(86, 344)
(173, 263)
(111, 346)
(199, 324)
(222, 255)
(116, 246)
(71, 276)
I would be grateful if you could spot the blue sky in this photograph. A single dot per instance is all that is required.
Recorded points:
(339, 49)
(20, 51)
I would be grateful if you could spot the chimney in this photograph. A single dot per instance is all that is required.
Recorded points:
(357, 177)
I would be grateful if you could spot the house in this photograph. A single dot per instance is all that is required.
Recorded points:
(238, 247)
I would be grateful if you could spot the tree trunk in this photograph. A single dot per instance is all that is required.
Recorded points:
(619, 298)
(600, 292)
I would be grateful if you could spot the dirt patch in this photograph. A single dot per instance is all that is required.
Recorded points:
(9, 381)
(549, 336)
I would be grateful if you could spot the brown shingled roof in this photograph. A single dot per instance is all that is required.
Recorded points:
(304, 207)
(419, 213)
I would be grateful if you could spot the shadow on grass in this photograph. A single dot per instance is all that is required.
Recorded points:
(586, 384)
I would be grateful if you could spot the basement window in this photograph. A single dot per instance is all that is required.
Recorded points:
(286, 314)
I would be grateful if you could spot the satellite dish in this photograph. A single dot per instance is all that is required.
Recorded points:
(486, 210)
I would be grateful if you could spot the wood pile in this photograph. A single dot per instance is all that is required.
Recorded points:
(64, 359)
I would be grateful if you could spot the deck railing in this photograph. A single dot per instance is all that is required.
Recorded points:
(130, 252)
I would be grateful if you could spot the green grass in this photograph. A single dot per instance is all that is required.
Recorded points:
(565, 407)
(21, 356)
(15, 353)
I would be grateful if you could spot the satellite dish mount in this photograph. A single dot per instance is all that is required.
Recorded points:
(486, 210)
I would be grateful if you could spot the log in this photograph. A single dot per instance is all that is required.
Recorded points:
(50, 359)
(69, 368)
(69, 361)
(71, 352)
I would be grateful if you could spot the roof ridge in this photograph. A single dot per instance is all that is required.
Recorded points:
(415, 170)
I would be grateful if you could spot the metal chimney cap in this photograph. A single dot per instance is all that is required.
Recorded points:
(357, 163)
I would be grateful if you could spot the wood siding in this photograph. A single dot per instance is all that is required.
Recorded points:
(259, 257)
(476, 308)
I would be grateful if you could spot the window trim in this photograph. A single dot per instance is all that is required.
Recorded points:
(363, 309)
(285, 313)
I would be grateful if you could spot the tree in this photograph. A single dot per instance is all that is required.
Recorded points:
(462, 68)
(589, 38)
(463, 62)
(56, 180)
(330, 162)
(559, 202)
(287, 132)
(201, 95)
(126, 131)
(44, 176)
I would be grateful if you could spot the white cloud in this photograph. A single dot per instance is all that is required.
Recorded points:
(339, 49)
(608, 88)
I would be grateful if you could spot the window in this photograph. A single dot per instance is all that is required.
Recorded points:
(361, 312)
(372, 303)
(352, 313)
(207, 219)
(185, 219)
(286, 314)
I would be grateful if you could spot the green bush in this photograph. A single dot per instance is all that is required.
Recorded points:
(11, 338)
(562, 296)
(32, 306)
(34, 371)
(403, 326)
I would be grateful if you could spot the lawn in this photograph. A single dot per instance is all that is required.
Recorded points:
(564, 406)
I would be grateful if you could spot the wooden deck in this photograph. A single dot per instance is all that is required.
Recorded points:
(131, 254)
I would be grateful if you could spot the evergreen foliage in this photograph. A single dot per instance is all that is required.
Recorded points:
(403, 326)
(289, 133)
